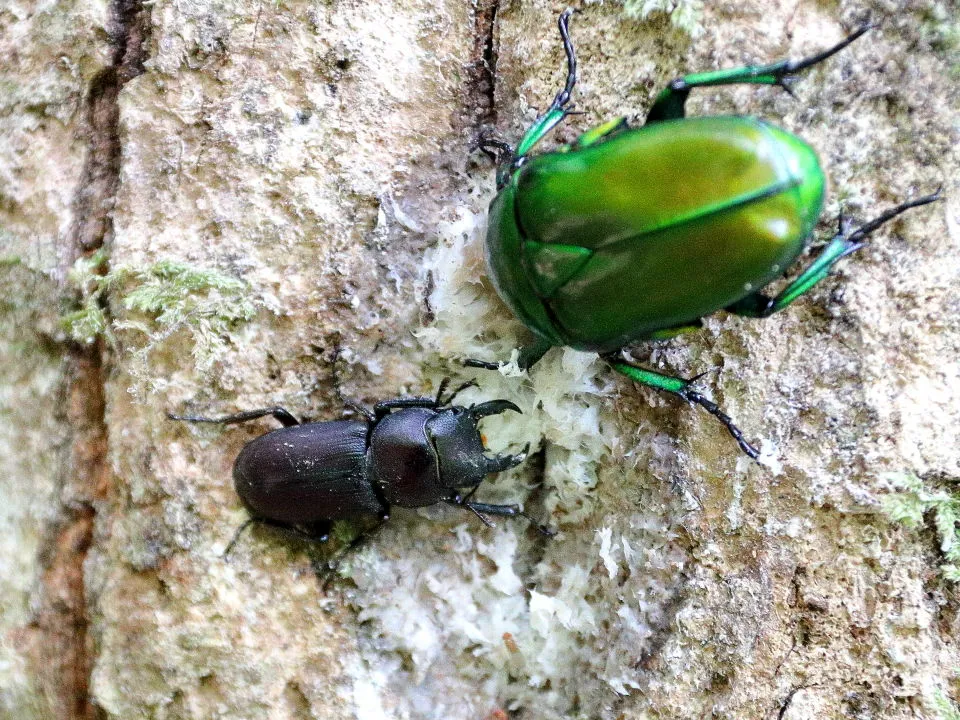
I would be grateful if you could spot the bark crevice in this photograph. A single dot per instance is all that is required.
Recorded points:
(480, 107)
(58, 638)
(93, 202)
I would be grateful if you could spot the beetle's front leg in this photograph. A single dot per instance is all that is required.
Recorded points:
(383, 408)
(843, 243)
(669, 104)
(496, 149)
(558, 109)
(683, 388)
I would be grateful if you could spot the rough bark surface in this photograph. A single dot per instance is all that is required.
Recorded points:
(323, 154)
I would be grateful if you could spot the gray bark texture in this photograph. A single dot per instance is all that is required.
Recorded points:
(213, 206)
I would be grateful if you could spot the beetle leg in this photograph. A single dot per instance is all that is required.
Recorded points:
(236, 536)
(318, 532)
(383, 408)
(842, 244)
(359, 409)
(558, 108)
(669, 104)
(483, 364)
(459, 389)
(682, 388)
(497, 150)
(482, 509)
(281, 414)
(529, 356)
(331, 565)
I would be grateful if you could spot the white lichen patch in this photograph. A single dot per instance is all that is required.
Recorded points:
(684, 14)
(526, 621)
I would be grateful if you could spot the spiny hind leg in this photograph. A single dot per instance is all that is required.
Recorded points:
(845, 242)
(670, 103)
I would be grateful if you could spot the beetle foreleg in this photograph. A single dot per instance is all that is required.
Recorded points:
(497, 150)
(683, 389)
(670, 103)
(558, 108)
(843, 243)
(483, 509)
(441, 402)
(281, 414)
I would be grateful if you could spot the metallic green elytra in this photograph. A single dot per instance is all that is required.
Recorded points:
(598, 247)
(634, 233)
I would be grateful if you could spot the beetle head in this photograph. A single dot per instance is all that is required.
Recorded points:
(461, 457)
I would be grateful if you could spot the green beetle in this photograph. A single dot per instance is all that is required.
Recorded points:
(637, 233)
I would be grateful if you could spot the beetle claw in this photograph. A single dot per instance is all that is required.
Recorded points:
(843, 222)
(786, 83)
(691, 381)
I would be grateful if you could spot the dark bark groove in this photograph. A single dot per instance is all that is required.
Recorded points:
(58, 639)
(479, 107)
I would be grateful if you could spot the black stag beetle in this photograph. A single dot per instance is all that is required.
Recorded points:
(410, 452)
